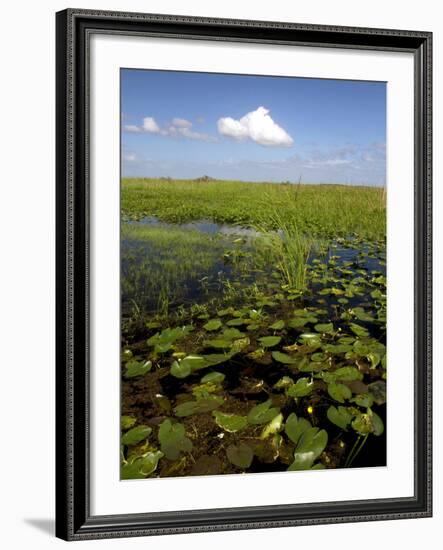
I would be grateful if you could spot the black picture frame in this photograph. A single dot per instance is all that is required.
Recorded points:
(73, 518)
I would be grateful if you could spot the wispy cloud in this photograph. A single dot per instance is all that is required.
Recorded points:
(351, 164)
(257, 126)
(177, 128)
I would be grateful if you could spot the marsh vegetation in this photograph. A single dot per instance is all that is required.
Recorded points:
(253, 327)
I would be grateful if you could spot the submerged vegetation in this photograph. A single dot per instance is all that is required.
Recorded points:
(253, 327)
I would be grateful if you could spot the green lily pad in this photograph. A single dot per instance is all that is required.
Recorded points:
(141, 467)
(283, 358)
(262, 413)
(173, 440)
(213, 377)
(324, 327)
(358, 330)
(230, 422)
(363, 400)
(199, 406)
(278, 325)
(240, 455)
(295, 427)
(213, 324)
(135, 435)
(309, 447)
(273, 427)
(283, 383)
(236, 322)
(348, 374)
(137, 368)
(301, 388)
(340, 416)
(269, 341)
(339, 392)
(127, 422)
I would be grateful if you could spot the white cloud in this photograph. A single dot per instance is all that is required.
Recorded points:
(257, 126)
(150, 126)
(178, 127)
(132, 128)
(130, 157)
(181, 122)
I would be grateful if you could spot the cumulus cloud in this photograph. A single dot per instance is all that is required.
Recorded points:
(257, 126)
(178, 127)
(150, 126)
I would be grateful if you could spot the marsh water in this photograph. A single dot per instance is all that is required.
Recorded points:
(220, 284)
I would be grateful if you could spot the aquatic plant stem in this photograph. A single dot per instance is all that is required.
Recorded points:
(355, 451)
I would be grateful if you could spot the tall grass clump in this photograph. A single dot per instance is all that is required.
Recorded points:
(288, 246)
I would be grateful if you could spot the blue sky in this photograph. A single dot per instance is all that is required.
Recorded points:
(254, 128)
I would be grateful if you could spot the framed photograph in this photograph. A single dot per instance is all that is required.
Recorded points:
(243, 274)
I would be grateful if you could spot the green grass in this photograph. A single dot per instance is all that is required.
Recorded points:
(317, 210)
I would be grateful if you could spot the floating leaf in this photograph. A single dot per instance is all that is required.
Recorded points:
(358, 330)
(230, 422)
(302, 461)
(312, 440)
(236, 322)
(378, 391)
(213, 324)
(135, 435)
(339, 416)
(301, 388)
(363, 400)
(127, 422)
(218, 343)
(283, 383)
(348, 374)
(295, 427)
(324, 327)
(273, 427)
(173, 440)
(278, 325)
(141, 467)
(136, 368)
(269, 341)
(262, 413)
(240, 455)
(199, 406)
(283, 358)
(339, 392)
(213, 377)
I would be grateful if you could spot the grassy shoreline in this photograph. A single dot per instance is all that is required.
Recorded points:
(318, 210)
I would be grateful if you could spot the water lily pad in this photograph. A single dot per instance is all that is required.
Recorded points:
(141, 467)
(324, 327)
(295, 427)
(283, 383)
(137, 368)
(363, 400)
(240, 455)
(278, 325)
(340, 416)
(213, 377)
(127, 422)
(309, 447)
(230, 422)
(358, 330)
(283, 358)
(339, 392)
(135, 435)
(269, 341)
(184, 367)
(301, 388)
(199, 406)
(218, 343)
(347, 374)
(236, 322)
(311, 339)
(173, 440)
(273, 427)
(213, 324)
(262, 413)
(378, 391)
